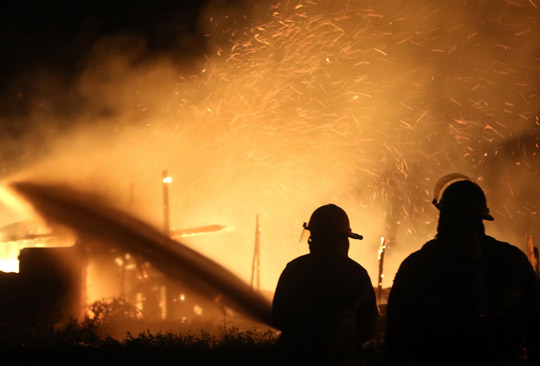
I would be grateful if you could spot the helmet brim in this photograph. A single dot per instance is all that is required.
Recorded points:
(488, 217)
(355, 236)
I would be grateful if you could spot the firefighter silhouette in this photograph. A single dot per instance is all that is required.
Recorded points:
(464, 297)
(324, 302)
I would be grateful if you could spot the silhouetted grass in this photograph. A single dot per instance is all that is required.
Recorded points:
(76, 344)
(87, 342)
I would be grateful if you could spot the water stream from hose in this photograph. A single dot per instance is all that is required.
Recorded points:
(92, 219)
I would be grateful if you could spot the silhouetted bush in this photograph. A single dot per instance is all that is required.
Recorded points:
(86, 341)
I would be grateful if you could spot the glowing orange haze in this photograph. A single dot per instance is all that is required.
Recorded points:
(363, 106)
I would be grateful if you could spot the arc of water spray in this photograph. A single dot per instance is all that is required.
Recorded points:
(91, 218)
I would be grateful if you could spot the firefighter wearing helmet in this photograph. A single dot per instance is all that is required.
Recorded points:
(324, 303)
(464, 297)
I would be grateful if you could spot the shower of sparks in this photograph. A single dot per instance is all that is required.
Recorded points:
(363, 103)
(378, 100)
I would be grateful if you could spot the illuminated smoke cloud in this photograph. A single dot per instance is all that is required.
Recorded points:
(300, 103)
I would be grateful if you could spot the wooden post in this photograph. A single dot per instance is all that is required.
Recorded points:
(168, 293)
(255, 265)
(165, 183)
(382, 249)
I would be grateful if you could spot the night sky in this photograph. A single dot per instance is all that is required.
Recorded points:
(55, 37)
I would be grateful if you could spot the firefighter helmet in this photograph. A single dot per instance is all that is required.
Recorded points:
(331, 219)
(464, 196)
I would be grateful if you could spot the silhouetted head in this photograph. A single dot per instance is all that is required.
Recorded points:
(462, 205)
(464, 198)
(330, 229)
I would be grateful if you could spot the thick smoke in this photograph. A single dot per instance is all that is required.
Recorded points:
(47, 46)
(275, 108)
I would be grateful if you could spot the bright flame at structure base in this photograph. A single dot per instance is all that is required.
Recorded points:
(9, 265)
